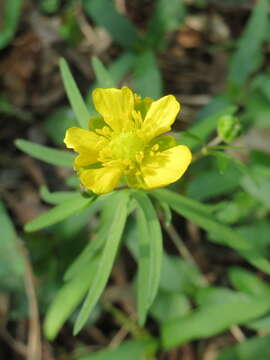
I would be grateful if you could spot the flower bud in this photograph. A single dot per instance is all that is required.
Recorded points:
(228, 128)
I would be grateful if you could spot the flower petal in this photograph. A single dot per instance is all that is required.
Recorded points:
(160, 116)
(102, 180)
(85, 142)
(116, 106)
(165, 168)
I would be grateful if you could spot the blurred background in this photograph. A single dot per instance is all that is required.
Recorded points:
(210, 54)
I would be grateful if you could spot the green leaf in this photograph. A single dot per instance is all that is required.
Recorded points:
(68, 298)
(179, 276)
(11, 263)
(57, 197)
(257, 236)
(213, 319)
(247, 282)
(147, 78)
(259, 190)
(130, 349)
(74, 96)
(150, 253)
(103, 77)
(59, 213)
(46, 154)
(12, 10)
(199, 214)
(107, 258)
(168, 306)
(210, 184)
(104, 13)
(250, 45)
(254, 348)
(167, 17)
(50, 6)
(98, 239)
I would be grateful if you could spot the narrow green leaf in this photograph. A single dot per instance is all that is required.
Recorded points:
(245, 281)
(104, 13)
(150, 253)
(68, 298)
(57, 197)
(167, 17)
(106, 262)
(98, 240)
(147, 76)
(103, 77)
(12, 10)
(199, 214)
(140, 349)
(143, 282)
(250, 45)
(46, 154)
(254, 348)
(213, 319)
(11, 269)
(74, 96)
(58, 213)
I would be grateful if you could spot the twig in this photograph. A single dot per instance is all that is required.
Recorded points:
(17, 346)
(205, 149)
(119, 337)
(34, 348)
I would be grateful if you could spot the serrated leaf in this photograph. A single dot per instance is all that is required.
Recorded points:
(46, 154)
(106, 262)
(76, 101)
(150, 254)
(68, 298)
(200, 215)
(58, 213)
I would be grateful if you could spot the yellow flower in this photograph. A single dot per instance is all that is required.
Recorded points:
(123, 145)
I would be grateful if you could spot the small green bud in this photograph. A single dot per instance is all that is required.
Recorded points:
(228, 128)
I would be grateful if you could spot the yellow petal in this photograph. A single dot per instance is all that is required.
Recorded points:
(116, 106)
(102, 180)
(165, 168)
(160, 116)
(85, 142)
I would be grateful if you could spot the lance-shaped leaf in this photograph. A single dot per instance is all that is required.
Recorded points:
(46, 154)
(107, 258)
(150, 254)
(59, 213)
(75, 98)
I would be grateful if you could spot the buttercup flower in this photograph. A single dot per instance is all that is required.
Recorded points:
(124, 146)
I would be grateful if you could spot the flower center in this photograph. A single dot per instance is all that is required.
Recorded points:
(125, 146)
